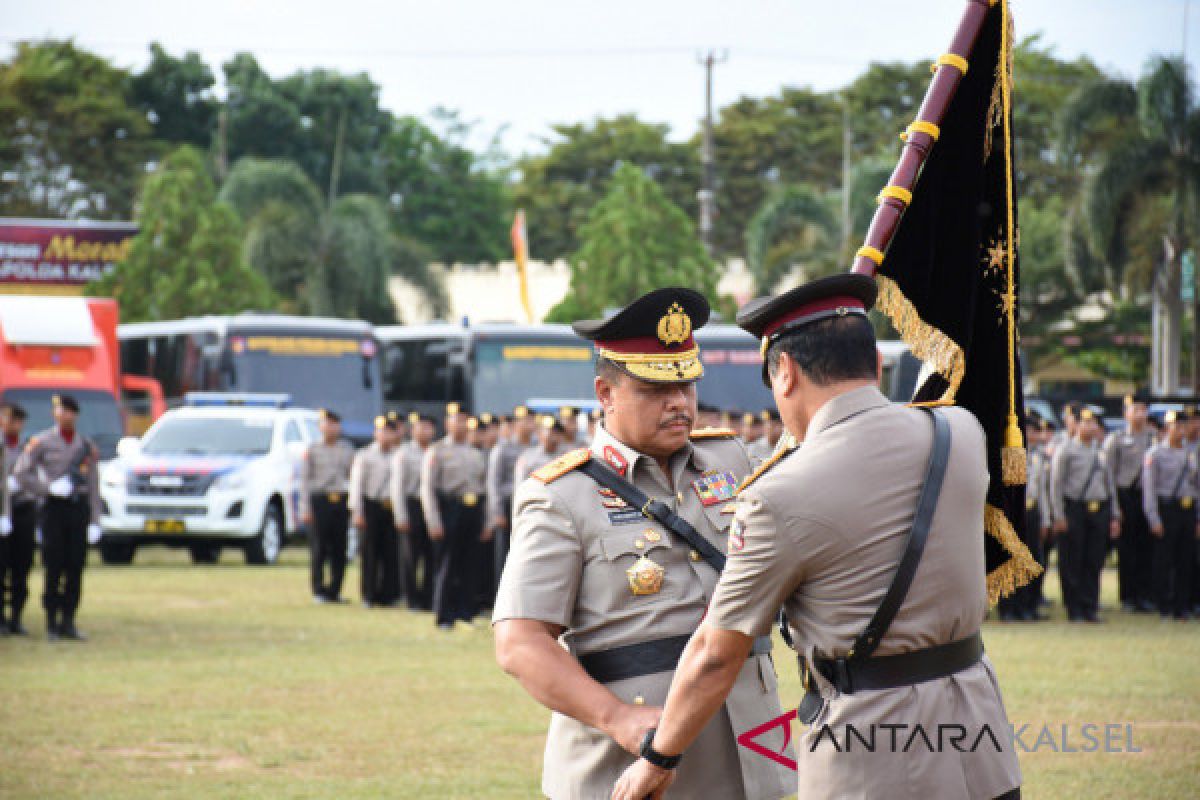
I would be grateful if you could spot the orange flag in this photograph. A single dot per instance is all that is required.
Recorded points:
(521, 256)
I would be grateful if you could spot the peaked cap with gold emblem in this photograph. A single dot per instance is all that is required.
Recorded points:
(651, 338)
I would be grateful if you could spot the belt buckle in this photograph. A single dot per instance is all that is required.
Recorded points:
(1030, 505)
(1185, 503)
(334, 497)
(386, 503)
(470, 499)
(1093, 506)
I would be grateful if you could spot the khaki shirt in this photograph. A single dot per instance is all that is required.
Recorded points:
(1126, 452)
(1037, 467)
(822, 533)
(450, 468)
(370, 477)
(571, 548)
(325, 469)
(1169, 473)
(1069, 478)
(760, 449)
(532, 459)
(48, 457)
(502, 463)
(25, 493)
(406, 478)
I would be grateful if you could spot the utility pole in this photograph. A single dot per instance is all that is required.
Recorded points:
(707, 194)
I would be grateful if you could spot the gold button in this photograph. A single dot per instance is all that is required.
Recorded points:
(694, 555)
(639, 544)
(679, 496)
(639, 701)
(653, 536)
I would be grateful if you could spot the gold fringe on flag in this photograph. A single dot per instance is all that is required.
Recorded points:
(926, 342)
(1019, 569)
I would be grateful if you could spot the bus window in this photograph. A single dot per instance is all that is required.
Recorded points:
(99, 417)
(733, 378)
(424, 371)
(515, 372)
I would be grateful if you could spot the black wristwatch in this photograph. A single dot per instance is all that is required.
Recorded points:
(656, 758)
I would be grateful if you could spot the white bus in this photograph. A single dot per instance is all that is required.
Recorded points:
(319, 362)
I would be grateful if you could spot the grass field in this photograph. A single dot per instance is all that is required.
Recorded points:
(226, 681)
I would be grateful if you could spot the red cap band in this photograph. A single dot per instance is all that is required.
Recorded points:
(817, 307)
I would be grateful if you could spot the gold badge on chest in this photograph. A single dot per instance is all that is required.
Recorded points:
(645, 577)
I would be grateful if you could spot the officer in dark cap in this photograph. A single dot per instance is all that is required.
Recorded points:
(1170, 490)
(601, 572)
(324, 484)
(370, 503)
(1086, 515)
(1126, 450)
(17, 545)
(59, 467)
(822, 528)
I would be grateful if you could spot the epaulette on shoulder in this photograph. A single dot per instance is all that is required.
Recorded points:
(712, 433)
(562, 465)
(765, 467)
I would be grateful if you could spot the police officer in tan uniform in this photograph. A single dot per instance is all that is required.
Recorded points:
(370, 503)
(822, 530)
(1170, 488)
(416, 550)
(1126, 451)
(1083, 501)
(59, 467)
(502, 463)
(324, 482)
(599, 597)
(552, 442)
(19, 543)
(453, 478)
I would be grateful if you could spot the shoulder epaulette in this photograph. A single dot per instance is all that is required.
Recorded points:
(764, 467)
(712, 433)
(562, 465)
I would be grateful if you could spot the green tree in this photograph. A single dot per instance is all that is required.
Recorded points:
(442, 195)
(1153, 154)
(71, 143)
(634, 240)
(764, 144)
(176, 94)
(186, 258)
(330, 261)
(794, 225)
(558, 188)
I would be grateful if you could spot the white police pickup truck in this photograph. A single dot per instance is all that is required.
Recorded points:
(223, 470)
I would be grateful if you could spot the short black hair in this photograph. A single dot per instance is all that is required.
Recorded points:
(1073, 408)
(608, 369)
(16, 411)
(831, 350)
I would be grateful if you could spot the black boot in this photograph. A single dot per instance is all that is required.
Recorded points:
(52, 632)
(68, 630)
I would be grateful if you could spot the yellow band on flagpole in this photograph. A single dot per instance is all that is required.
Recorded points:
(875, 254)
(950, 60)
(895, 193)
(922, 126)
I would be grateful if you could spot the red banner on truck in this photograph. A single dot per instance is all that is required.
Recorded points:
(46, 256)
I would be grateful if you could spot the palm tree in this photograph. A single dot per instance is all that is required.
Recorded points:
(1149, 137)
(332, 260)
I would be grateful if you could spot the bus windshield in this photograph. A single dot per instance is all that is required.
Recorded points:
(318, 371)
(733, 376)
(99, 418)
(542, 373)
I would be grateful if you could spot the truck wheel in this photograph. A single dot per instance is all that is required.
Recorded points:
(117, 552)
(205, 553)
(264, 548)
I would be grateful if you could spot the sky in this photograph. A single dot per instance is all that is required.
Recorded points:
(520, 66)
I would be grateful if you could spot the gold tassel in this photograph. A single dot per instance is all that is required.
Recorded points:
(1012, 457)
(1020, 569)
(926, 342)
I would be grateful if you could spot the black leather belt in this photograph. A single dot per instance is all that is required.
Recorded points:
(903, 669)
(646, 658)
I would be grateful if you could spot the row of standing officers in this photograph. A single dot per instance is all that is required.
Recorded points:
(1134, 490)
(433, 514)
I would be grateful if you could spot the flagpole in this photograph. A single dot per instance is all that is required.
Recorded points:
(919, 138)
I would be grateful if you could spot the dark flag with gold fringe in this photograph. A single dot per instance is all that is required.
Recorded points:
(943, 246)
